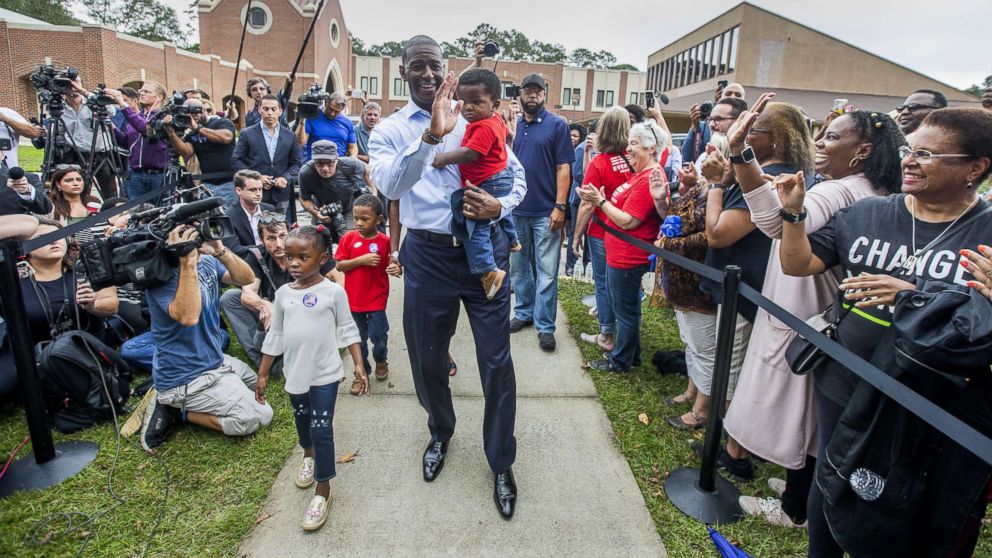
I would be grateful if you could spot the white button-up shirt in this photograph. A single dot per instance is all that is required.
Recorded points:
(271, 142)
(402, 170)
(254, 218)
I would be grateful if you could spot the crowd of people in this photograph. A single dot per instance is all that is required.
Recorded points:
(872, 220)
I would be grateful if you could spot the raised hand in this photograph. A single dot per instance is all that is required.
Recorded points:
(739, 129)
(791, 191)
(688, 176)
(658, 185)
(714, 166)
(444, 116)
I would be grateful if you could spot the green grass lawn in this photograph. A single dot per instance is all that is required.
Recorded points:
(656, 449)
(29, 158)
(217, 485)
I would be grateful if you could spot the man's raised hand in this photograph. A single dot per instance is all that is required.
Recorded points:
(444, 116)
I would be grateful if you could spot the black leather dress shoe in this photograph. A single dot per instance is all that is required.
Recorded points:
(505, 493)
(434, 459)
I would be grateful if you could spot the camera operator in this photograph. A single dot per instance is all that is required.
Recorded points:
(331, 124)
(211, 140)
(328, 179)
(270, 149)
(80, 126)
(698, 136)
(258, 88)
(249, 310)
(12, 127)
(193, 378)
(147, 158)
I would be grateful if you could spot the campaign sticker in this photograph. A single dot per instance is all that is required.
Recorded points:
(374, 248)
(309, 300)
(357, 244)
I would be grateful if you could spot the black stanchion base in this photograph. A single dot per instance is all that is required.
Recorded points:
(26, 474)
(717, 507)
(589, 300)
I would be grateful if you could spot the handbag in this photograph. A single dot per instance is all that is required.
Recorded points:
(802, 355)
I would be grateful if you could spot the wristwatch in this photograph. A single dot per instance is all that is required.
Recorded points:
(794, 218)
(560, 207)
(746, 157)
(601, 203)
(716, 186)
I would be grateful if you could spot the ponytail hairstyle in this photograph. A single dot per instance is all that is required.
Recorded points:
(883, 167)
(320, 236)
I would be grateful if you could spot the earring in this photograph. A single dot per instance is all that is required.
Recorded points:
(969, 185)
(854, 162)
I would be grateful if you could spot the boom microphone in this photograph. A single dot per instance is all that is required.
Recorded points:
(192, 209)
(15, 173)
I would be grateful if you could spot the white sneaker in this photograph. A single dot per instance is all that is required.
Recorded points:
(304, 476)
(769, 508)
(777, 486)
(316, 514)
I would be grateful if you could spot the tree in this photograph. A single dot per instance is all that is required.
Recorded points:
(56, 12)
(147, 19)
(978, 90)
(628, 67)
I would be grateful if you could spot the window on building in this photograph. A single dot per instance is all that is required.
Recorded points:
(714, 58)
(373, 86)
(633, 99)
(566, 96)
(335, 32)
(724, 51)
(363, 83)
(400, 88)
(600, 98)
(257, 18)
(609, 98)
(735, 36)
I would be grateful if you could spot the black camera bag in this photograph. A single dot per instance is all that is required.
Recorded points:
(145, 263)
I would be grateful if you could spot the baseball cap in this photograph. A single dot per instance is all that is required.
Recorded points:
(534, 79)
(324, 150)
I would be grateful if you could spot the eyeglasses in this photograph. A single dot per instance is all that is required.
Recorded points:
(67, 167)
(207, 110)
(924, 157)
(325, 163)
(272, 219)
(754, 130)
(913, 107)
(714, 119)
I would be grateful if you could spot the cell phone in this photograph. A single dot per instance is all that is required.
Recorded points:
(357, 94)
(649, 99)
(686, 166)
(513, 91)
(722, 84)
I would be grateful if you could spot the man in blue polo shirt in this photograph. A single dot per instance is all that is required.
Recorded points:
(330, 124)
(543, 145)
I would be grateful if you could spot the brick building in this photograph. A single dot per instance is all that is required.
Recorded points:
(275, 32)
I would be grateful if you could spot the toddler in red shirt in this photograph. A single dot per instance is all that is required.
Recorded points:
(481, 159)
(363, 256)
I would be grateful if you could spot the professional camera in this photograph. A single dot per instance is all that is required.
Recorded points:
(182, 117)
(99, 99)
(54, 82)
(308, 105)
(139, 254)
(338, 226)
(705, 109)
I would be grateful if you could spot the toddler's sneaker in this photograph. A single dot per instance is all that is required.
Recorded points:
(492, 281)
(304, 476)
(382, 370)
(316, 514)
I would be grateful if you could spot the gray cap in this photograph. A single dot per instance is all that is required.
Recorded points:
(324, 150)
(534, 79)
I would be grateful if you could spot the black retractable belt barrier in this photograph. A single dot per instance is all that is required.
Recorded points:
(693, 504)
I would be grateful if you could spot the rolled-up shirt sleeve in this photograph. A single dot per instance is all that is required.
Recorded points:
(395, 172)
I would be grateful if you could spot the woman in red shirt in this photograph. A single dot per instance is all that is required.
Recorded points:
(635, 207)
(606, 171)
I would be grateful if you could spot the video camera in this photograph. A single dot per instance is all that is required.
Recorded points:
(182, 117)
(308, 104)
(98, 99)
(51, 82)
(139, 254)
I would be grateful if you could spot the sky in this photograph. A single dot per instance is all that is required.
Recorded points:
(948, 41)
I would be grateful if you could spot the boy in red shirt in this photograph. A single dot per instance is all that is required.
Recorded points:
(481, 159)
(363, 256)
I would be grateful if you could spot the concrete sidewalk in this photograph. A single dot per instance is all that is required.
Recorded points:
(577, 496)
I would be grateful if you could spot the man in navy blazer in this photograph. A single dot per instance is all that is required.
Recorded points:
(270, 149)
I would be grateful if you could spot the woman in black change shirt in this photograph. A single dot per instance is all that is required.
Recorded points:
(883, 245)
(66, 300)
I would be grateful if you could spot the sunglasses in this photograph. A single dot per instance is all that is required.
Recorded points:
(913, 107)
(67, 167)
(272, 219)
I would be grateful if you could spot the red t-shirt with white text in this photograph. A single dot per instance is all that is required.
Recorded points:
(367, 287)
(487, 137)
(607, 171)
(634, 198)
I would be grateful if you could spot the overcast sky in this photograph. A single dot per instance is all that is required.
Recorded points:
(948, 40)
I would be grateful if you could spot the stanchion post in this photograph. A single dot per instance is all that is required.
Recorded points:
(703, 494)
(721, 375)
(20, 344)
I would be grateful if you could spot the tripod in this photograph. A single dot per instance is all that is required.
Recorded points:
(56, 132)
(103, 136)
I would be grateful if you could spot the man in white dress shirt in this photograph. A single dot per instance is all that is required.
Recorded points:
(436, 275)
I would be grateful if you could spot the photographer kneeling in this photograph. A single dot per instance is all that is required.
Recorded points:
(211, 140)
(249, 311)
(194, 379)
(329, 185)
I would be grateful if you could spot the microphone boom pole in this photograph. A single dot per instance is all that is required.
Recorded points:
(241, 46)
(306, 39)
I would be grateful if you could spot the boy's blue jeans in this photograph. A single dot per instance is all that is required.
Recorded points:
(475, 233)
(372, 326)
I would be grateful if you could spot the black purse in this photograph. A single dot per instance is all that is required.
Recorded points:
(803, 356)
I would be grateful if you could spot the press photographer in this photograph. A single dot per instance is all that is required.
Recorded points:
(329, 185)
(328, 124)
(22, 193)
(147, 157)
(12, 127)
(258, 88)
(211, 140)
(194, 380)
